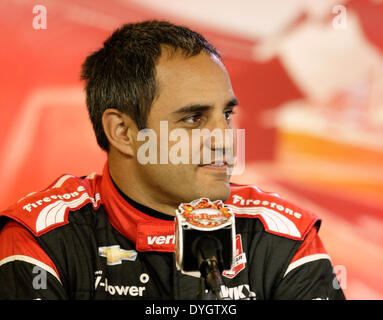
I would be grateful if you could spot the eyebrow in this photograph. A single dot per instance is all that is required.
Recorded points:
(199, 108)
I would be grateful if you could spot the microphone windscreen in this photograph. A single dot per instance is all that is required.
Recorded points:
(197, 220)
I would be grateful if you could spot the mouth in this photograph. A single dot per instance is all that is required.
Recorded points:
(216, 165)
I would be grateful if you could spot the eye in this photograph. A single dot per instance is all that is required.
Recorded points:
(193, 119)
(228, 114)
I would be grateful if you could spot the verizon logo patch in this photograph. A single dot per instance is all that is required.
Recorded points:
(158, 237)
(161, 240)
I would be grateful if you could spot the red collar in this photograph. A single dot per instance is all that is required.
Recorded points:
(148, 233)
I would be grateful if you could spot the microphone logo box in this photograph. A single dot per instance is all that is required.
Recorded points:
(203, 217)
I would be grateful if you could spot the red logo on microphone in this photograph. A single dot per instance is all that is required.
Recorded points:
(239, 260)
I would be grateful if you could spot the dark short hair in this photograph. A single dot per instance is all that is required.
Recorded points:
(122, 75)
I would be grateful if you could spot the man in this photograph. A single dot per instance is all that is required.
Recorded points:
(111, 236)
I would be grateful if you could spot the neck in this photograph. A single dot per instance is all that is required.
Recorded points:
(130, 185)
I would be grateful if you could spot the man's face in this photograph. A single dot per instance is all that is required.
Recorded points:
(194, 93)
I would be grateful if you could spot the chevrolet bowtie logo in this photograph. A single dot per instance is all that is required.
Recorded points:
(115, 255)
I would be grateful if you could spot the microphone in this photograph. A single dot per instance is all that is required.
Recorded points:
(205, 241)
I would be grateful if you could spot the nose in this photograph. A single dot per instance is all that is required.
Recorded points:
(221, 138)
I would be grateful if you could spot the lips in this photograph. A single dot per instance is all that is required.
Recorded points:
(216, 165)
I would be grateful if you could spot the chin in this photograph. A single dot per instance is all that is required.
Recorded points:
(221, 192)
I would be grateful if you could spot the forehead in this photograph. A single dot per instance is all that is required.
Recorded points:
(197, 79)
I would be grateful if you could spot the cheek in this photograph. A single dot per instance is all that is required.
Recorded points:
(181, 148)
(169, 175)
(171, 149)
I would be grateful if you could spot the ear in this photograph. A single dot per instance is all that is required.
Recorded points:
(121, 130)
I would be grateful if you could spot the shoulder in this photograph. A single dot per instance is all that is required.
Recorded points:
(18, 245)
(278, 215)
(45, 210)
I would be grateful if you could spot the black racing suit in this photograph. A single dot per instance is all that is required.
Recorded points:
(82, 239)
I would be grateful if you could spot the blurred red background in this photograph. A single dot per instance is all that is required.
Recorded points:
(309, 77)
